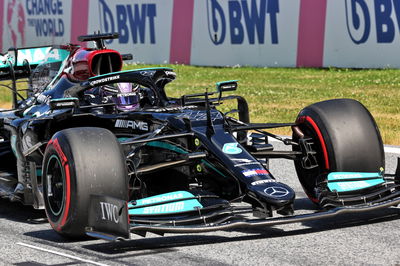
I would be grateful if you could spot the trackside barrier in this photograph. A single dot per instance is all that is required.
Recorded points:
(270, 33)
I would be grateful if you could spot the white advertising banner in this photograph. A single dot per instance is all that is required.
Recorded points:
(266, 33)
(256, 32)
(35, 22)
(144, 27)
(362, 34)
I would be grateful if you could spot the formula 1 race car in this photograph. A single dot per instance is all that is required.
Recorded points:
(107, 153)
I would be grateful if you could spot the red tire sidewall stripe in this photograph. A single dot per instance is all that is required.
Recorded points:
(65, 164)
(68, 195)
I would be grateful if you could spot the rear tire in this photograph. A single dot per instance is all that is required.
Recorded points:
(78, 163)
(346, 138)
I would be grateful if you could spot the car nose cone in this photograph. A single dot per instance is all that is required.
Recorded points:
(276, 194)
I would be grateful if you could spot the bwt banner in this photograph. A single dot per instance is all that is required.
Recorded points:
(245, 32)
(271, 33)
(361, 33)
(144, 26)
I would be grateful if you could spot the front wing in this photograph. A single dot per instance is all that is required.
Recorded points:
(210, 218)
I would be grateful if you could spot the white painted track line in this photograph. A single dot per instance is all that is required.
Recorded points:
(61, 254)
(392, 149)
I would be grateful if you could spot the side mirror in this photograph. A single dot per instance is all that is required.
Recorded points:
(13, 55)
(230, 85)
(126, 57)
(64, 103)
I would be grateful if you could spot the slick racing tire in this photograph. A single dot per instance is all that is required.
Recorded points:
(345, 138)
(78, 163)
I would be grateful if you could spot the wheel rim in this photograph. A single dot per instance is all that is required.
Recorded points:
(55, 189)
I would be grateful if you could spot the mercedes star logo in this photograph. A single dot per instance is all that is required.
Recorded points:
(277, 192)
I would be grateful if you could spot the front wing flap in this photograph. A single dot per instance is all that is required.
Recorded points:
(253, 223)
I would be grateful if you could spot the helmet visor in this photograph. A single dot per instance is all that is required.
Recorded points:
(131, 98)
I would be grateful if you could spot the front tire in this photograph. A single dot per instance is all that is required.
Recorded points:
(346, 139)
(78, 163)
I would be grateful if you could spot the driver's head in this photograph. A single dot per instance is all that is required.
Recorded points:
(128, 97)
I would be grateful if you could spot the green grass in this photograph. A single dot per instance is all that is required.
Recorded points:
(278, 94)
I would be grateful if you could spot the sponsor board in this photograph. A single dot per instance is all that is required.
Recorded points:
(355, 33)
(362, 33)
(253, 32)
(36, 22)
(144, 26)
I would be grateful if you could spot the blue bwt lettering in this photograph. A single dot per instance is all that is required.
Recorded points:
(218, 22)
(236, 27)
(384, 23)
(245, 17)
(358, 19)
(131, 21)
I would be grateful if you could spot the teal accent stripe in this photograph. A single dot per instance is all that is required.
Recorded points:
(28, 110)
(337, 176)
(6, 65)
(168, 146)
(353, 185)
(64, 99)
(183, 203)
(131, 70)
(209, 165)
(350, 181)
(218, 83)
(14, 145)
(38, 172)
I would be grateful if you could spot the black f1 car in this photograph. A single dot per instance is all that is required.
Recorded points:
(107, 153)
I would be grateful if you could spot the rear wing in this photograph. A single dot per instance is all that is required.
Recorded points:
(18, 63)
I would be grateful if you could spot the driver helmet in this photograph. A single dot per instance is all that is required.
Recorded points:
(128, 97)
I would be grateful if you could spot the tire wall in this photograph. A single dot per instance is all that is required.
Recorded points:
(270, 33)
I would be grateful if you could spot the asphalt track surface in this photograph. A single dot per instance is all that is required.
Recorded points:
(373, 239)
